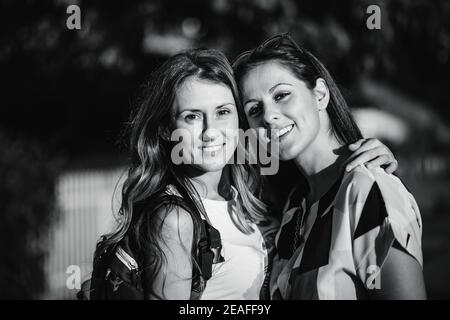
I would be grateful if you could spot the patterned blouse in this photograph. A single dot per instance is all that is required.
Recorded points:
(337, 248)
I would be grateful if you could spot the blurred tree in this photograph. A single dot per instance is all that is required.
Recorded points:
(72, 87)
(27, 195)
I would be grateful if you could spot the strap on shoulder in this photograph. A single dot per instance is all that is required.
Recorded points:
(205, 253)
(209, 240)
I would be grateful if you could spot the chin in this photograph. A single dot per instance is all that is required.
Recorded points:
(292, 152)
(211, 167)
(286, 156)
(296, 145)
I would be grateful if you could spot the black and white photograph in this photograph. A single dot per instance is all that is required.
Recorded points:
(225, 150)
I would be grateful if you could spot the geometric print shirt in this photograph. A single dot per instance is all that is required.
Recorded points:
(337, 249)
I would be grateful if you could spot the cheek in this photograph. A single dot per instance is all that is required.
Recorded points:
(190, 135)
(310, 125)
(232, 135)
(233, 121)
(313, 115)
(230, 126)
(310, 117)
(254, 122)
(305, 111)
(189, 128)
(314, 122)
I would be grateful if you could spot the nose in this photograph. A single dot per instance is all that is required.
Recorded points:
(210, 134)
(210, 130)
(270, 116)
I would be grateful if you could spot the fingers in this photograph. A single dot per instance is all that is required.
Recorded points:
(373, 143)
(364, 145)
(391, 163)
(392, 167)
(354, 146)
(367, 143)
(378, 162)
(373, 153)
(362, 157)
(384, 158)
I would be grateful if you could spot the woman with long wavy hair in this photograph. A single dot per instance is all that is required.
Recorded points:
(164, 205)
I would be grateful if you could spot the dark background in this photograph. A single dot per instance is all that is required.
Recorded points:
(65, 95)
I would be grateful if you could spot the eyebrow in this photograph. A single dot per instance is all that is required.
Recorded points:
(270, 91)
(279, 84)
(200, 110)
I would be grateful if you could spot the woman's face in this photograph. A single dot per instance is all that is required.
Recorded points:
(206, 112)
(276, 100)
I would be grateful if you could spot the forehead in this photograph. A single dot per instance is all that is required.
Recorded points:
(264, 76)
(200, 94)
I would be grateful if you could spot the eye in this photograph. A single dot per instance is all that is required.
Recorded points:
(254, 110)
(223, 112)
(191, 117)
(280, 96)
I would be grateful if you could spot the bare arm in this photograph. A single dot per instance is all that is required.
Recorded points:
(373, 153)
(401, 278)
(173, 282)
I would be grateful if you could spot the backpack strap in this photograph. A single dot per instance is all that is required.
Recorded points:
(209, 246)
(206, 256)
(118, 276)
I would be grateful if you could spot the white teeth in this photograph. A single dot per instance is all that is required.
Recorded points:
(279, 133)
(212, 148)
(283, 131)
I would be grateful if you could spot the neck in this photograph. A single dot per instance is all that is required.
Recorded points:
(208, 184)
(321, 163)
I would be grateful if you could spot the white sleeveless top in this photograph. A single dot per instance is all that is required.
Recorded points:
(241, 275)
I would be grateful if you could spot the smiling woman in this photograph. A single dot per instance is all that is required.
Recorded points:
(206, 114)
(289, 106)
(188, 230)
(346, 235)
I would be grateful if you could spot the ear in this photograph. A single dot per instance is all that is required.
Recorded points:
(322, 94)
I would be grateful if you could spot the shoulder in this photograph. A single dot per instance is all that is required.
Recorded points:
(380, 210)
(175, 223)
(362, 185)
(357, 183)
(374, 197)
(372, 185)
(174, 216)
(360, 200)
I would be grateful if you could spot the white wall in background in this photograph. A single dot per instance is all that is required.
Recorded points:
(85, 212)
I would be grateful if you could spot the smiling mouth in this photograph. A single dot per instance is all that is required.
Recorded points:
(281, 132)
(214, 148)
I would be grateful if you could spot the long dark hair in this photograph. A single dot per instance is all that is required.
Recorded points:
(306, 67)
(151, 171)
